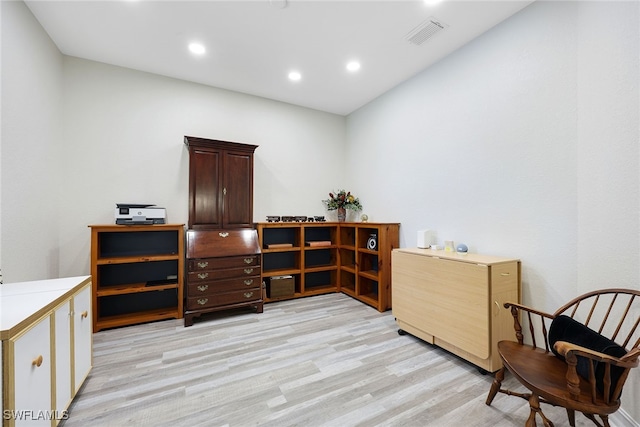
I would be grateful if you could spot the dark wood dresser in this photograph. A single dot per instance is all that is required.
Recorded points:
(223, 271)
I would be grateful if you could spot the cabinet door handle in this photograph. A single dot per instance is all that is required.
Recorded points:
(248, 270)
(203, 264)
(248, 294)
(497, 305)
(505, 274)
(203, 301)
(223, 234)
(248, 282)
(248, 260)
(84, 314)
(203, 275)
(203, 288)
(37, 361)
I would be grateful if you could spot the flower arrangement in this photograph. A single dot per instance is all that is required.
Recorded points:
(342, 200)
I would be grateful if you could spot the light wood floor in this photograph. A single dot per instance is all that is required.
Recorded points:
(320, 361)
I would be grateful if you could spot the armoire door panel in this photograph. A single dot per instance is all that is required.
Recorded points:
(206, 200)
(238, 206)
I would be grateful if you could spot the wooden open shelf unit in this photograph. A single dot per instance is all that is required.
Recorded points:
(137, 273)
(325, 257)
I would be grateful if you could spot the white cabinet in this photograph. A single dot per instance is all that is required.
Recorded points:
(32, 373)
(62, 325)
(73, 344)
(455, 301)
(46, 348)
(82, 337)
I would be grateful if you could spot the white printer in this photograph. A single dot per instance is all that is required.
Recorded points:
(136, 214)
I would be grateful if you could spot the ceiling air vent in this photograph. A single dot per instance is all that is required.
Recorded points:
(425, 31)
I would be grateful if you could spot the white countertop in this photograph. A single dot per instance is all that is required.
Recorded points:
(28, 300)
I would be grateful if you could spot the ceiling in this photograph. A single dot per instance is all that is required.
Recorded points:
(251, 46)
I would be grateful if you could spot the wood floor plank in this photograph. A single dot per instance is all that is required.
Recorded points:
(327, 360)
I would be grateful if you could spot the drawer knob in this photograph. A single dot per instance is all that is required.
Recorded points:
(203, 288)
(84, 314)
(248, 260)
(37, 361)
(248, 270)
(248, 294)
(203, 275)
(202, 301)
(203, 264)
(248, 282)
(223, 234)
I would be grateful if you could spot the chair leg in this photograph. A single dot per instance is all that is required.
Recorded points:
(605, 420)
(534, 404)
(531, 421)
(495, 386)
(572, 417)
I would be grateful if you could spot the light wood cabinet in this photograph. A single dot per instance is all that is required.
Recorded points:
(220, 183)
(324, 257)
(46, 348)
(455, 301)
(137, 273)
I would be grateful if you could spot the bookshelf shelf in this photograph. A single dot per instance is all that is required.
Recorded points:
(330, 257)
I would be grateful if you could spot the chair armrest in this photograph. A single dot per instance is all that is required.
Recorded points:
(531, 315)
(566, 349)
(521, 307)
(634, 354)
(571, 351)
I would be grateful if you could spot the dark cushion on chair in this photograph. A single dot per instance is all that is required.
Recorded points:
(564, 328)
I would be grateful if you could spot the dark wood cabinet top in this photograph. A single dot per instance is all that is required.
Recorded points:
(194, 142)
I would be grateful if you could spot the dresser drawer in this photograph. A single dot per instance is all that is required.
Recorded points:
(217, 286)
(228, 273)
(206, 264)
(225, 298)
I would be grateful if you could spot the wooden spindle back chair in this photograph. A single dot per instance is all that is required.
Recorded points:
(567, 372)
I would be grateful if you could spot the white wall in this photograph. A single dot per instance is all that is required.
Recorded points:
(524, 143)
(80, 136)
(608, 131)
(123, 143)
(30, 164)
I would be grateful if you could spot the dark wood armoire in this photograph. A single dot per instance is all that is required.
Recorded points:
(222, 249)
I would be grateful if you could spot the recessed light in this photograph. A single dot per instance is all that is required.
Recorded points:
(432, 2)
(295, 76)
(197, 48)
(353, 66)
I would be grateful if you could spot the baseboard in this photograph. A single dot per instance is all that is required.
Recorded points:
(621, 418)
